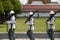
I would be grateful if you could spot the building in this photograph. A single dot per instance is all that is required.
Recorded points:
(42, 2)
(44, 6)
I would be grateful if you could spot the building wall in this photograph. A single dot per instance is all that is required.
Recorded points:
(53, 0)
(42, 8)
(37, 14)
(36, 3)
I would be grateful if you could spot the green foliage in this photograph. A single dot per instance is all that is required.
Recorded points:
(1, 8)
(8, 6)
(17, 6)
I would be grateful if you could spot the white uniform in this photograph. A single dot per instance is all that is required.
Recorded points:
(50, 31)
(31, 24)
(12, 22)
(51, 23)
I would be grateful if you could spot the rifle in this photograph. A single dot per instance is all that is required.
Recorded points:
(31, 16)
(52, 16)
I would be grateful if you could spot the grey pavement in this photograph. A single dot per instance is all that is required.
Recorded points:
(37, 35)
(35, 39)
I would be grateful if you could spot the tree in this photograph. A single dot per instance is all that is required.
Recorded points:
(1, 8)
(7, 7)
(1, 13)
(17, 6)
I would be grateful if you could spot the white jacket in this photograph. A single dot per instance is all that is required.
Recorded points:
(51, 23)
(30, 23)
(12, 21)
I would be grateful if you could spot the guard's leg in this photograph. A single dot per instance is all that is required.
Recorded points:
(10, 34)
(30, 34)
(52, 34)
(48, 32)
(13, 34)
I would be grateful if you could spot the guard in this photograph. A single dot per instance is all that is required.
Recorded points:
(12, 23)
(52, 26)
(31, 27)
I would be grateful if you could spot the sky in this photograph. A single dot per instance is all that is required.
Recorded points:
(58, 1)
(25, 1)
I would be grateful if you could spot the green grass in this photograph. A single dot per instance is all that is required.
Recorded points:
(40, 25)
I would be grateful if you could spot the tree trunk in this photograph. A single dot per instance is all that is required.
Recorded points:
(2, 18)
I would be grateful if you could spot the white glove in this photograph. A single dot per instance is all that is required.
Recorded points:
(7, 21)
(48, 22)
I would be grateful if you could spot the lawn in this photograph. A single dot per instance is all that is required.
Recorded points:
(40, 25)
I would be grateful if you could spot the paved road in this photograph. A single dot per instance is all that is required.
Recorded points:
(35, 39)
(23, 35)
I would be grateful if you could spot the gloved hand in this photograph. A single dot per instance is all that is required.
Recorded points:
(25, 22)
(7, 21)
(47, 22)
